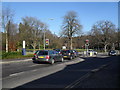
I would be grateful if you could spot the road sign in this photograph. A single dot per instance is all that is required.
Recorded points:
(47, 41)
(87, 44)
(23, 44)
(86, 40)
(63, 47)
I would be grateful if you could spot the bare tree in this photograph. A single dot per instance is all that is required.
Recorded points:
(70, 26)
(7, 15)
(31, 30)
(12, 32)
(104, 32)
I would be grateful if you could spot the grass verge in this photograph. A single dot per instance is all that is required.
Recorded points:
(14, 55)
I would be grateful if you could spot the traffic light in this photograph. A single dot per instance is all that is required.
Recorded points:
(47, 41)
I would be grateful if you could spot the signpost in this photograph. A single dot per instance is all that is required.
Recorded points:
(64, 47)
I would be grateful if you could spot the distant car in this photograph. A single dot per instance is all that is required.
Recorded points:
(68, 54)
(92, 51)
(76, 53)
(49, 56)
(112, 53)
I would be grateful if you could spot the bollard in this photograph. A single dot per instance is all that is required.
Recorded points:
(23, 51)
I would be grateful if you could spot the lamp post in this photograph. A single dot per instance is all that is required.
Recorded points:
(44, 34)
(44, 40)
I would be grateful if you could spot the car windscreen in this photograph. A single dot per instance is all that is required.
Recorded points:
(43, 53)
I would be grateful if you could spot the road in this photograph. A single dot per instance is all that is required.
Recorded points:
(65, 74)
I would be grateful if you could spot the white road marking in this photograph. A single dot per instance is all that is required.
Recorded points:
(77, 81)
(15, 74)
(95, 70)
(34, 70)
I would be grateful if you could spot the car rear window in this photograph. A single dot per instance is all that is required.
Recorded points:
(113, 52)
(36, 52)
(66, 51)
(43, 53)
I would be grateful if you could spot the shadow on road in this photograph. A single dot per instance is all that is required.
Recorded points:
(73, 72)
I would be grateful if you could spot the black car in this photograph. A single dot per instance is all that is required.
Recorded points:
(58, 50)
(112, 53)
(49, 56)
(68, 54)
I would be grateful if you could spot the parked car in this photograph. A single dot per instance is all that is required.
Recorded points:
(92, 51)
(112, 53)
(68, 54)
(76, 53)
(49, 56)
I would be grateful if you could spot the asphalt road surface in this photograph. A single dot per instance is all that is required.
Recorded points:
(67, 74)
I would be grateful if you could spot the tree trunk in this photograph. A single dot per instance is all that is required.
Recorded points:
(105, 47)
(71, 43)
(6, 41)
(34, 45)
(39, 46)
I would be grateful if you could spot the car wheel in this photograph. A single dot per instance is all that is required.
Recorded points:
(62, 59)
(52, 61)
(71, 58)
(34, 61)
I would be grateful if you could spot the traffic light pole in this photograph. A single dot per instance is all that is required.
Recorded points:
(86, 45)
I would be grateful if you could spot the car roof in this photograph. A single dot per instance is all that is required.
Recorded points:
(45, 50)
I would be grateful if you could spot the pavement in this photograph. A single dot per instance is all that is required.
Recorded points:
(4, 61)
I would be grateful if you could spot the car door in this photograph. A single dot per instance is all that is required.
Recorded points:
(54, 55)
(57, 55)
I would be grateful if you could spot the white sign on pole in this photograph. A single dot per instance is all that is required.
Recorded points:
(63, 47)
(23, 44)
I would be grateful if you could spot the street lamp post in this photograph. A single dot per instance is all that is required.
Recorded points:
(44, 34)
(44, 39)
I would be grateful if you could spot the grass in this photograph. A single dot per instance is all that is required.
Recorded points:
(29, 52)
(14, 55)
